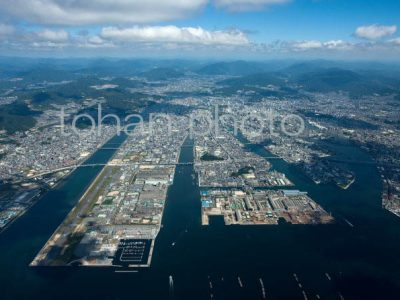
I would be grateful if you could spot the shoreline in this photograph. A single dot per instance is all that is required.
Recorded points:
(42, 259)
(44, 191)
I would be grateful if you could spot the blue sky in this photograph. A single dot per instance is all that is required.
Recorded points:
(302, 19)
(255, 28)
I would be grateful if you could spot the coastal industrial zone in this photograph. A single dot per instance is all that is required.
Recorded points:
(264, 207)
(117, 220)
(236, 184)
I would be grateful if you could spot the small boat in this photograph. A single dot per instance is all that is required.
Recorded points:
(171, 285)
(348, 223)
(328, 276)
(262, 288)
(240, 282)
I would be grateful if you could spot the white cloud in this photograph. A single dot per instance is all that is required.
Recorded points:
(180, 41)
(337, 45)
(83, 12)
(307, 45)
(173, 34)
(375, 32)
(247, 5)
(395, 41)
(60, 36)
(92, 42)
(317, 45)
(6, 30)
(96, 40)
(78, 12)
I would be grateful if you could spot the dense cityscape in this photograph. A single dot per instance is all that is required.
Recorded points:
(36, 159)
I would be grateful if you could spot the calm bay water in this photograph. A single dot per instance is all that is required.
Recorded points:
(362, 261)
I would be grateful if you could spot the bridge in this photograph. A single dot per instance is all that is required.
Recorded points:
(44, 173)
(72, 167)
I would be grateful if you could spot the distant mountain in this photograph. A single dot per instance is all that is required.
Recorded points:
(355, 83)
(49, 74)
(259, 79)
(257, 85)
(321, 64)
(235, 68)
(317, 77)
(329, 79)
(157, 74)
(114, 67)
(307, 67)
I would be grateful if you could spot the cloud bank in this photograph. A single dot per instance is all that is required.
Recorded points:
(174, 40)
(375, 32)
(173, 34)
(83, 12)
(6, 30)
(247, 5)
(327, 45)
(60, 36)
(126, 26)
